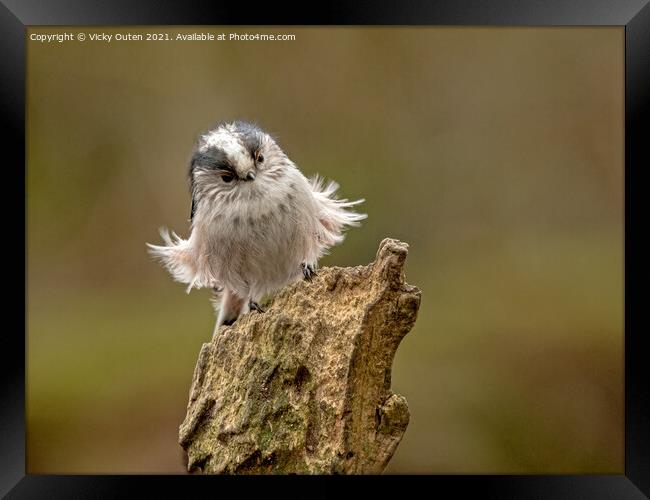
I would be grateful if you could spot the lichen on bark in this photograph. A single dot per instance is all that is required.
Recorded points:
(305, 386)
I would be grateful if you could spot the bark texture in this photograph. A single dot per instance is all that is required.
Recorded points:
(305, 386)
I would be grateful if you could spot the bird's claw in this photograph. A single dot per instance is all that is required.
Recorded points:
(308, 271)
(254, 306)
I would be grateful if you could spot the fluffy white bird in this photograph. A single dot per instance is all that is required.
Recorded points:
(257, 223)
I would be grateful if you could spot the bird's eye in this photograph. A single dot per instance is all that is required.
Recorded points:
(227, 178)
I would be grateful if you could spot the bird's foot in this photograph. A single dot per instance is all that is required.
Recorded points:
(308, 271)
(254, 306)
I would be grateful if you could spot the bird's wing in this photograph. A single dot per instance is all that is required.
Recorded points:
(179, 259)
(333, 214)
(193, 208)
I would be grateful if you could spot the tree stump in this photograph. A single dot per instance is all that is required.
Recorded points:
(304, 387)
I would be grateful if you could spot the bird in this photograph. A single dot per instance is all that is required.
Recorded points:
(257, 223)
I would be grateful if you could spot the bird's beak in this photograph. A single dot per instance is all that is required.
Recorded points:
(250, 176)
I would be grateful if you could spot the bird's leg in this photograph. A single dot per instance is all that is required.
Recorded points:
(229, 309)
(308, 271)
(254, 306)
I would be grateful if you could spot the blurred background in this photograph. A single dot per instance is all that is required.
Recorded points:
(496, 153)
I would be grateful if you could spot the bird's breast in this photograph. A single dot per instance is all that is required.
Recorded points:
(259, 239)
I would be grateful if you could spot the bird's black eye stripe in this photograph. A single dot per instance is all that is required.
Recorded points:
(199, 160)
(224, 167)
(214, 160)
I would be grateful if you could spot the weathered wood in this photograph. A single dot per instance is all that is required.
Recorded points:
(305, 386)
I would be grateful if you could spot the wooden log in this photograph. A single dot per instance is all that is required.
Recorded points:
(305, 386)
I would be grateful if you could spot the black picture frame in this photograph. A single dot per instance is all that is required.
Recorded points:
(633, 15)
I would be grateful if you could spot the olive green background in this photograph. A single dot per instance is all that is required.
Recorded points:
(496, 153)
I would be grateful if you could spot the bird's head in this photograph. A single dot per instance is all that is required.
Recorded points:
(233, 156)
